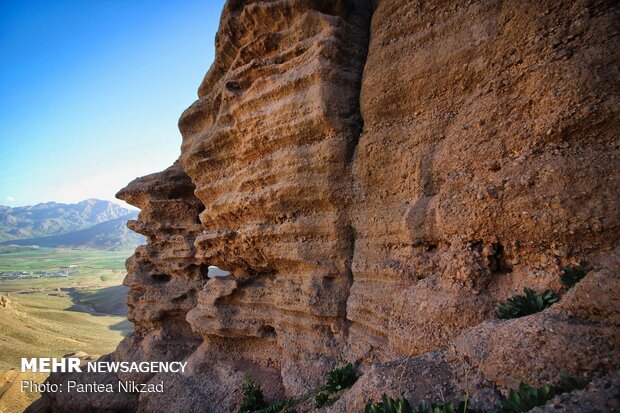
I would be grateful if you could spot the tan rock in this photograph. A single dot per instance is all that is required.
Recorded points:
(375, 176)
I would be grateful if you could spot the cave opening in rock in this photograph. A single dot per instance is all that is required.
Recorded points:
(267, 331)
(214, 272)
(161, 278)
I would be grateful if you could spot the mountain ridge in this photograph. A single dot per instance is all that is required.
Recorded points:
(91, 223)
(112, 234)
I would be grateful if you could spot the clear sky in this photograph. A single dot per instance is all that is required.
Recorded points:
(91, 92)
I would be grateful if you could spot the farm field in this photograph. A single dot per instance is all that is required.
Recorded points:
(53, 316)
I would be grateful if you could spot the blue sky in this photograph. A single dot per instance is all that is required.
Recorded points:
(91, 92)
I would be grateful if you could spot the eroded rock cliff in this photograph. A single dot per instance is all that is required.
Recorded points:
(376, 176)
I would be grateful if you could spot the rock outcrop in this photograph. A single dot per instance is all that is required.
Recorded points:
(164, 276)
(268, 146)
(375, 176)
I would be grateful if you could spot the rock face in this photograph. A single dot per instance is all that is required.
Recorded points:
(268, 145)
(376, 175)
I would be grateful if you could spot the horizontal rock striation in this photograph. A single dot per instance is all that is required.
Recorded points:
(375, 176)
(163, 276)
(268, 146)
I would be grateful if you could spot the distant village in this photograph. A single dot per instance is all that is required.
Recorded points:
(62, 272)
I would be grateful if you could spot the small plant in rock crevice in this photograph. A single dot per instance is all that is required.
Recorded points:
(389, 405)
(253, 399)
(569, 383)
(446, 408)
(526, 397)
(321, 398)
(572, 275)
(522, 305)
(337, 380)
(340, 378)
(402, 405)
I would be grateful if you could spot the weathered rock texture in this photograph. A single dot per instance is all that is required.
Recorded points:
(268, 145)
(164, 276)
(376, 175)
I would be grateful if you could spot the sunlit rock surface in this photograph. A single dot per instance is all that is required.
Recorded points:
(374, 176)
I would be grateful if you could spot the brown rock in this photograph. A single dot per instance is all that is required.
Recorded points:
(579, 335)
(376, 175)
(163, 276)
(421, 378)
(268, 145)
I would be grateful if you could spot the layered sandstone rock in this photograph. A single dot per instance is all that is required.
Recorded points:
(268, 145)
(376, 175)
(164, 276)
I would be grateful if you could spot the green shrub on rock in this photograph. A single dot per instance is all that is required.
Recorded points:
(526, 397)
(253, 399)
(522, 305)
(402, 405)
(340, 378)
(336, 381)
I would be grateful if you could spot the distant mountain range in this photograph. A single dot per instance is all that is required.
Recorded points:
(91, 223)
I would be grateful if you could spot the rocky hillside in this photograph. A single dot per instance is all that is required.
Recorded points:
(376, 176)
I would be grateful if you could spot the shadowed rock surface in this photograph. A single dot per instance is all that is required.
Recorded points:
(375, 176)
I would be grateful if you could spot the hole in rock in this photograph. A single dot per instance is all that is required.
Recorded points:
(328, 282)
(161, 278)
(237, 86)
(267, 331)
(431, 247)
(499, 262)
(425, 245)
(216, 272)
(477, 246)
(201, 207)
(180, 298)
(233, 86)
(180, 191)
